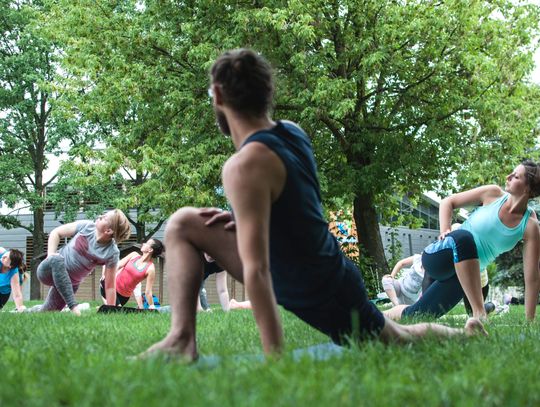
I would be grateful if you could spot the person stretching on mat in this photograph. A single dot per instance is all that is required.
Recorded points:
(278, 243)
(12, 275)
(455, 260)
(93, 244)
(406, 288)
(132, 270)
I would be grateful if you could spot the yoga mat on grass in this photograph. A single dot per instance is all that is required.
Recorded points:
(111, 309)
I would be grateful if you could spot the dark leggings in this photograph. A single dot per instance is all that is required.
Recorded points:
(3, 299)
(439, 259)
(429, 281)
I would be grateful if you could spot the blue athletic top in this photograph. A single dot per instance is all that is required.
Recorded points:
(306, 262)
(492, 237)
(5, 278)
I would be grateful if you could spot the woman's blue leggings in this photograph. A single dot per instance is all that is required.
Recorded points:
(438, 260)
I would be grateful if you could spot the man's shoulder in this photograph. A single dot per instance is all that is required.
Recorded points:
(289, 123)
(254, 164)
(252, 154)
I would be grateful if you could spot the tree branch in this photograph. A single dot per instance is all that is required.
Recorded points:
(335, 131)
(46, 184)
(155, 229)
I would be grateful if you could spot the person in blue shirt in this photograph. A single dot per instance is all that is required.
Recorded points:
(278, 242)
(454, 261)
(11, 277)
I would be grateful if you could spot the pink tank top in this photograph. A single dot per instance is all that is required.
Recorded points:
(130, 276)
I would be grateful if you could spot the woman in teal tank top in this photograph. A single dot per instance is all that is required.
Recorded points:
(501, 221)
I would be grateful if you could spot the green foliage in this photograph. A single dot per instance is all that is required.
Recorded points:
(139, 80)
(397, 97)
(510, 268)
(396, 252)
(368, 270)
(31, 132)
(36, 351)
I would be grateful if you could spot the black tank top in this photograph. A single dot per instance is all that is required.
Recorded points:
(306, 262)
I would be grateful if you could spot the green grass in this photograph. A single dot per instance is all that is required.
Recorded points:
(58, 359)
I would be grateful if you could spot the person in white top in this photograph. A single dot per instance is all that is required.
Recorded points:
(405, 289)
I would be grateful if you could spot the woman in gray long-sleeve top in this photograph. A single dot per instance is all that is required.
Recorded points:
(93, 244)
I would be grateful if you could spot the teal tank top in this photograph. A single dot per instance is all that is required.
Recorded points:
(492, 237)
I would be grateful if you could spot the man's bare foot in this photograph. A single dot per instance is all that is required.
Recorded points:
(474, 327)
(170, 349)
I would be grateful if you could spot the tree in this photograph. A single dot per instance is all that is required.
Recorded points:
(400, 96)
(30, 131)
(397, 96)
(144, 91)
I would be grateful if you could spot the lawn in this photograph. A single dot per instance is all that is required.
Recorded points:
(59, 359)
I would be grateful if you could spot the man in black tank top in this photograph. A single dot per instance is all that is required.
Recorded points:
(278, 243)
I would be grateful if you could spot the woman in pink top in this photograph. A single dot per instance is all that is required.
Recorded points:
(133, 269)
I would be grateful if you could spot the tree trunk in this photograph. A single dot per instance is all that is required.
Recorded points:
(140, 230)
(38, 240)
(369, 236)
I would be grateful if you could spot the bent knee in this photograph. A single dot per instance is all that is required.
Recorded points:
(56, 261)
(182, 221)
(387, 282)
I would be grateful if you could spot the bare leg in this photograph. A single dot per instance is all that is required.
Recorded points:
(186, 236)
(199, 306)
(394, 313)
(392, 295)
(394, 332)
(388, 285)
(468, 273)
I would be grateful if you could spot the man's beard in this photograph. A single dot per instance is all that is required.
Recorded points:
(222, 122)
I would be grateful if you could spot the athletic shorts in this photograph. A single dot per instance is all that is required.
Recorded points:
(439, 257)
(443, 290)
(348, 313)
(4, 299)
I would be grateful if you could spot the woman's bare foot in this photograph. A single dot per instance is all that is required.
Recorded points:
(394, 313)
(233, 304)
(75, 310)
(474, 327)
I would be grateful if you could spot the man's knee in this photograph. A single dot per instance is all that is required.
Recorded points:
(181, 222)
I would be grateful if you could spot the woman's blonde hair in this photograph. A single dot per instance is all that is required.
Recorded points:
(120, 226)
